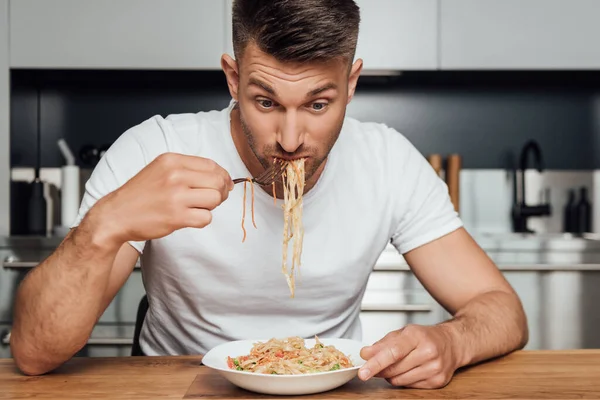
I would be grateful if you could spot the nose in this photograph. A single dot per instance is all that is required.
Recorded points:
(290, 135)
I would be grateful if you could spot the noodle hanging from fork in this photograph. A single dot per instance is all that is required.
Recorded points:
(244, 207)
(293, 190)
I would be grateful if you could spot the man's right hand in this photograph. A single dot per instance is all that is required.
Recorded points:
(172, 192)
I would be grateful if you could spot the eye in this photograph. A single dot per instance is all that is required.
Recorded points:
(318, 106)
(266, 103)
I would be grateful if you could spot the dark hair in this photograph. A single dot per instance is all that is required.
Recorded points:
(297, 30)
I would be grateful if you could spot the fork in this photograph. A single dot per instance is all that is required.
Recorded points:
(267, 177)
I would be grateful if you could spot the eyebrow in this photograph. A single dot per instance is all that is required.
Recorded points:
(269, 89)
(264, 86)
(327, 86)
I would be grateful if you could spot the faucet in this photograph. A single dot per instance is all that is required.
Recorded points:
(520, 210)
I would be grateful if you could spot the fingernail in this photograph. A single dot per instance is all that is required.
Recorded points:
(364, 374)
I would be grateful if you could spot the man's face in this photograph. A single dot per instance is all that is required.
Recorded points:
(290, 111)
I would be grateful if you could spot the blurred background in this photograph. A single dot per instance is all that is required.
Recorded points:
(501, 96)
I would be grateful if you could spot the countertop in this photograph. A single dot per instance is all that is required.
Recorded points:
(488, 241)
(510, 251)
(521, 375)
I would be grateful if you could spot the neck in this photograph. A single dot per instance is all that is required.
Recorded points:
(253, 164)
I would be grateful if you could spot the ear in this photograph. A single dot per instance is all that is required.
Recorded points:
(353, 78)
(231, 69)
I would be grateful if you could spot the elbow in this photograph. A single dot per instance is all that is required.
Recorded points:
(28, 365)
(30, 368)
(29, 360)
(522, 328)
(524, 335)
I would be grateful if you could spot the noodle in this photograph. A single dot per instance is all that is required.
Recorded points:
(244, 207)
(293, 189)
(290, 357)
(244, 213)
(252, 190)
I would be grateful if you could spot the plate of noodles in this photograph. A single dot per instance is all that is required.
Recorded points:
(289, 366)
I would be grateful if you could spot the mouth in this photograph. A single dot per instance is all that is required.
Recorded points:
(288, 159)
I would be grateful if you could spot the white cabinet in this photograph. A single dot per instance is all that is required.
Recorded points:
(519, 34)
(529, 287)
(4, 121)
(125, 34)
(394, 299)
(394, 34)
(228, 28)
(398, 34)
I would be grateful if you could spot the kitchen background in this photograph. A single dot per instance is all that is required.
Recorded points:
(474, 78)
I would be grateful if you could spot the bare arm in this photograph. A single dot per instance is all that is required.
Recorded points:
(60, 301)
(488, 318)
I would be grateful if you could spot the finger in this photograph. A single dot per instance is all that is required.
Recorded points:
(178, 160)
(414, 359)
(199, 180)
(437, 382)
(197, 218)
(200, 164)
(175, 161)
(208, 199)
(420, 374)
(209, 180)
(369, 351)
(389, 352)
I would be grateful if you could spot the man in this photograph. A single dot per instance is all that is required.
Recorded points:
(164, 192)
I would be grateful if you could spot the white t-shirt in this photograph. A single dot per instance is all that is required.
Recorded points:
(205, 286)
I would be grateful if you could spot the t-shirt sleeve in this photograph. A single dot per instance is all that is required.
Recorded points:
(423, 206)
(123, 160)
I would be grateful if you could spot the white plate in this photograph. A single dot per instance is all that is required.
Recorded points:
(317, 382)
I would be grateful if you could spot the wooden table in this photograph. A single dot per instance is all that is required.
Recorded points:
(521, 375)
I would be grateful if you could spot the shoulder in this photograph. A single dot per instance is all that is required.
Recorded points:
(175, 132)
(386, 147)
(181, 133)
(375, 135)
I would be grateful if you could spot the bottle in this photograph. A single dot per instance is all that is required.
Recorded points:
(37, 209)
(584, 212)
(570, 214)
(69, 194)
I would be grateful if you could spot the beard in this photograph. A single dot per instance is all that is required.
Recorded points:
(270, 151)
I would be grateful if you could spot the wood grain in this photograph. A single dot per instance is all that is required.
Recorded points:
(436, 162)
(521, 375)
(453, 167)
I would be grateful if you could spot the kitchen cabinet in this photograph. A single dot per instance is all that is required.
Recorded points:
(228, 28)
(4, 121)
(394, 34)
(519, 34)
(119, 34)
(398, 34)
(529, 287)
(9, 280)
(394, 299)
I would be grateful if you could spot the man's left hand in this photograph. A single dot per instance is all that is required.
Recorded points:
(423, 357)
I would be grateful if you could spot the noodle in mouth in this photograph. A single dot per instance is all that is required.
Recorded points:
(290, 356)
(293, 190)
(293, 231)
